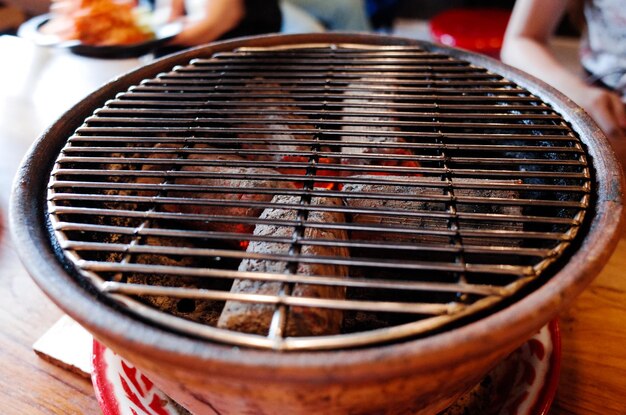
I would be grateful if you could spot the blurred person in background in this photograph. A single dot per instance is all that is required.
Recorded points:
(204, 20)
(30, 7)
(602, 93)
(342, 15)
(210, 20)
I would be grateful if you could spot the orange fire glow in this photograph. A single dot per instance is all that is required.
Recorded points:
(393, 162)
(297, 171)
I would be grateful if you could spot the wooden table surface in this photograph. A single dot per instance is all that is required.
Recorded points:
(36, 86)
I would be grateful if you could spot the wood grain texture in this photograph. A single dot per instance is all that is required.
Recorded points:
(30, 385)
(593, 371)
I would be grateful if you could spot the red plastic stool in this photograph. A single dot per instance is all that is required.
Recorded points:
(478, 30)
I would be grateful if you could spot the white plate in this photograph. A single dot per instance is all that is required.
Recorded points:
(31, 30)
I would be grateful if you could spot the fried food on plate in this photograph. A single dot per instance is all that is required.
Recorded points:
(98, 22)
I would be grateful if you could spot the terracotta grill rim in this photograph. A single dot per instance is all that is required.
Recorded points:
(507, 326)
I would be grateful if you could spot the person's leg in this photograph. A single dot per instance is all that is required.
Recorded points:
(349, 15)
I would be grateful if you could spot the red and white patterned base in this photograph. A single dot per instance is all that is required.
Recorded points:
(527, 381)
(122, 390)
(529, 376)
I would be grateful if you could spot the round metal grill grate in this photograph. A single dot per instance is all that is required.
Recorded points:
(318, 196)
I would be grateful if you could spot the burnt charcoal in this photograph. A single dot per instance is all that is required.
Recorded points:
(301, 321)
(425, 227)
(357, 102)
(227, 165)
(198, 310)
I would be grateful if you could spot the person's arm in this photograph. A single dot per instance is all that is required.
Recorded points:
(30, 7)
(177, 9)
(220, 17)
(526, 47)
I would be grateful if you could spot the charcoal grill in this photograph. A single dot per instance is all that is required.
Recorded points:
(469, 194)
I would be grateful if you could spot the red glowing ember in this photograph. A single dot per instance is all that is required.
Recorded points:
(241, 228)
(397, 162)
(301, 171)
(298, 165)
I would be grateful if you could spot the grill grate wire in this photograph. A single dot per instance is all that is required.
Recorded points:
(456, 189)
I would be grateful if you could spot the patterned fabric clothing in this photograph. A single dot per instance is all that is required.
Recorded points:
(603, 51)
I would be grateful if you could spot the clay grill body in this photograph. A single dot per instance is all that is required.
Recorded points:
(501, 266)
